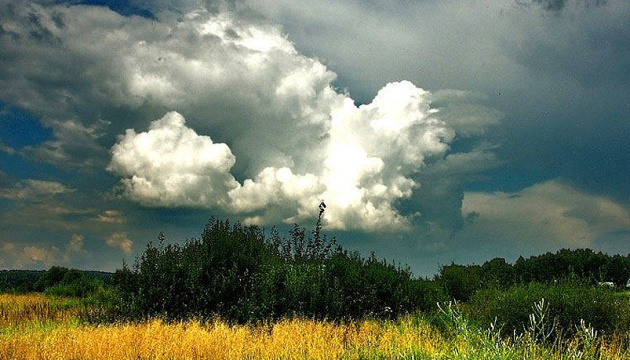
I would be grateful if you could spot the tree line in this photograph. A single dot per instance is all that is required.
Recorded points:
(583, 266)
(57, 280)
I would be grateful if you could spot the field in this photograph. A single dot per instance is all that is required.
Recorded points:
(38, 327)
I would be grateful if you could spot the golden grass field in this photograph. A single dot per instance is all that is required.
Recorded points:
(37, 327)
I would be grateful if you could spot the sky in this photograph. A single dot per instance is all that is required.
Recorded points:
(436, 131)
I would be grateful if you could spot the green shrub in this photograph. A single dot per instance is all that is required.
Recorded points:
(569, 303)
(427, 295)
(50, 278)
(75, 285)
(238, 273)
(460, 282)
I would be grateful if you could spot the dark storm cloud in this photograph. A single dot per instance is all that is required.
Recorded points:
(509, 106)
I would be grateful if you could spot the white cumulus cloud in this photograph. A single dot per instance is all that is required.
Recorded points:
(368, 161)
(374, 153)
(171, 165)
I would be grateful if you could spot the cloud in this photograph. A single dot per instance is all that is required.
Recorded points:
(276, 195)
(369, 159)
(226, 75)
(462, 112)
(545, 217)
(50, 207)
(266, 134)
(121, 241)
(34, 189)
(6, 149)
(111, 217)
(47, 187)
(171, 165)
(6, 252)
(439, 199)
(551, 212)
(559, 79)
(39, 255)
(374, 152)
(15, 255)
(75, 245)
(47, 257)
(559, 5)
(74, 145)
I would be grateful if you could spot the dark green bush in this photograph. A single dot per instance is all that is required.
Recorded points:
(61, 281)
(50, 278)
(427, 295)
(238, 273)
(19, 281)
(569, 302)
(460, 282)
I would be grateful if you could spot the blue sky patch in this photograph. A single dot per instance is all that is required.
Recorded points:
(19, 129)
(123, 7)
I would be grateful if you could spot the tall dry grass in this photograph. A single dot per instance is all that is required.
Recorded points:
(288, 339)
(19, 311)
(409, 337)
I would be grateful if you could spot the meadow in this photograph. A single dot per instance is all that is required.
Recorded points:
(35, 326)
(238, 293)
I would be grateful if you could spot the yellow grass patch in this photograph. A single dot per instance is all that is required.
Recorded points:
(287, 339)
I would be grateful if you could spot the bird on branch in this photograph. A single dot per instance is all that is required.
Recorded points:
(322, 207)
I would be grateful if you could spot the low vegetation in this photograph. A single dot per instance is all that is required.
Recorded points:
(446, 334)
(238, 292)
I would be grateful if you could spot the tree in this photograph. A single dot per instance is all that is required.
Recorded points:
(52, 277)
(497, 273)
(460, 282)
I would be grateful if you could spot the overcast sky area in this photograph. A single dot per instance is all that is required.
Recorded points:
(436, 131)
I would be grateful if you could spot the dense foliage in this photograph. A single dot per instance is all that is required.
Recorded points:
(239, 273)
(242, 274)
(581, 265)
(568, 304)
(576, 286)
(18, 281)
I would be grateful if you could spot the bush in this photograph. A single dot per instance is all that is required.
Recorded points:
(60, 281)
(75, 284)
(569, 303)
(460, 282)
(238, 273)
(427, 295)
(50, 278)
